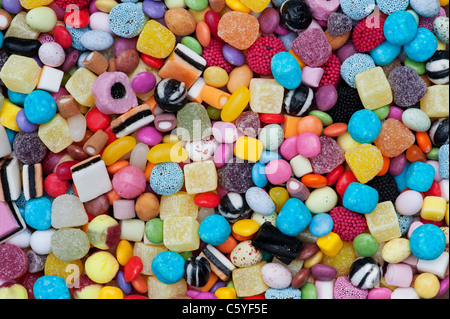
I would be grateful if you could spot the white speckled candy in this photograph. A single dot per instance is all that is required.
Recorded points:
(245, 254)
(396, 250)
(276, 275)
(440, 26)
(97, 40)
(321, 200)
(100, 21)
(261, 219)
(271, 136)
(409, 203)
(259, 201)
(52, 54)
(416, 120)
(201, 150)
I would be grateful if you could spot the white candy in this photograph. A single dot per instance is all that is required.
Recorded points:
(409, 203)
(40, 241)
(300, 166)
(50, 79)
(436, 266)
(77, 127)
(132, 229)
(404, 293)
(324, 289)
(444, 185)
(68, 211)
(138, 157)
(21, 239)
(5, 147)
(259, 201)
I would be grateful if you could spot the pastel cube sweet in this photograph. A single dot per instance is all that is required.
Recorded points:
(8, 114)
(436, 101)
(19, 28)
(55, 134)
(200, 177)
(177, 205)
(147, 252)
(248, 280)
(79, 86)
(433, 208)
(373, 88)
(160, 290)
(20, 74)
(266, 96)
(156, 40)
(50, 79)
(383, 222)
(365, 161)
(438, 266)
(181, 234)
(330, 244)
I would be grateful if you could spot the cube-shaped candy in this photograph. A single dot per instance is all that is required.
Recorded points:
(300, 166)
(433, 208)
(248, 280)
(394, 138)
(8, 114)
(55, 134)
(156, 40)
(365, 161)
(79, 86)
(19, 28)
(177, 205)
(383, 222)
(436, 102)
(200, 177)
(147, 253)
(256, 5)
(436, 266)
(20, 74)
(160, 290)
(50, 79)
(181, 234)
(373, 88)
(342, 261)
(266, 96)
(330, 244)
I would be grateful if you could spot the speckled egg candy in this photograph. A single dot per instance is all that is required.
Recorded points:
(259, 201)
(416, 120)
(409, 203)
(426, 8)
(52, 54)
(245, 255)
(440, 26)
(96, 40)
(276, 275)
(42, 19)
(166, 178)
(271, 136)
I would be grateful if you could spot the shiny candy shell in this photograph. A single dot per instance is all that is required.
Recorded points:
(276, 275)
(245, 255)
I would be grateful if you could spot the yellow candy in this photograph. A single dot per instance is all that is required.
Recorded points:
(8, 115)
(55, 134)
(200, 177)
(235, 104)
(314, 260)
(365, 161)
(436, 101)
(88, 292)
(15, 291)
(160, 290)
(79, 86)
(98, 230)
(147, 253)
(167, 152)
(330, 244)
(156, 40)
(373, 88)
(181, 234)
(443, 2)
(237, 5)
(383, 283)
(342, 261)
(215, 76)
(433, 208)
(124, 252)
(383, 222)
(109, 292)
(225, 293)
(279, 195)
(105, 5)
(114, 151)
(248, 280)
(427, 285)
(248, 148)
(441, 45)
(266, 96)
(30, 4)
(177, 205)
(199, 15)
(101, 267)
(346, 142)
(70, 271)
(256, 5)
(20, 74)
(245, 227)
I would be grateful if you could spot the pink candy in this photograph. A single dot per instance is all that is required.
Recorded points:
(308, 144)
(288, 148)
(129, 182)
(278, 171)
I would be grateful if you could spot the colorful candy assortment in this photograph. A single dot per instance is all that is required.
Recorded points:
(284, 149)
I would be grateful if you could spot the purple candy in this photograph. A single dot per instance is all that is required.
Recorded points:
(268, 20)
(12, 6)
(330, 156)
(205, 295)
(326, 97)
(323, 272)
(125, 286)
(217, 285)
(444, 287)
(71, 60)
(62, 91)
(92, 7)
(123, 44)
(395, 113)
(60, 12)
(143, 82)
(233, 55)
(154, 9)
(149, 136)
(281, 30)
(346, 51)
(407, 86)
(312, 47)
(397, 164)
(23, 123)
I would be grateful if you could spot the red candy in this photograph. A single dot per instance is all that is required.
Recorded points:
(54, 186)
(214, 56)
(62, 37)
(344, 180)
(209, 200)
(368, 35)
(261, 52)
(437, 223)
(63, 170)
(151, 61)
(111, 135)
(77, 18)
(333, 176)
(271, 118)
(331, 71)
(132, 268)
(212, 20)
(13, 262)
(96, 120)
(347, 224)
(435, 190)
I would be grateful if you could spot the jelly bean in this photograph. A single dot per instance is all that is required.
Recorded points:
(114, 151)
(235, 105)
(133, 268)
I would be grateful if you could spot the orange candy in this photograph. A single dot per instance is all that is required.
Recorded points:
(311, 124)
(415, 154)
(227, 246)
(290, 125)
(385, 168)
(148, 170)
(203, 34)
(117, 166)
(335, 129)
(140, 284)
(112, 196)
(238, 29)
(424, 142)
(212, 280)
(314, 180)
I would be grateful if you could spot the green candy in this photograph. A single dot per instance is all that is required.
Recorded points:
(419, 67)
(365, 245)
(154, 230)
(382, 112)
(213, 113)
(433, 154)
(308, 291)
(197, 5)
(192, 44)
(323, 117)
(186, 254)
(170, 4)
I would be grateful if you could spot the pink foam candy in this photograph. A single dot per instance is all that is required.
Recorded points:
(8, 223)
(399, 275)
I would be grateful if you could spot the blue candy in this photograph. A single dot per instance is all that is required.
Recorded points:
(259, 174)
(268, 156)
(40, 107)
(214, 229)
(321, 225)
(422, 47)
(360, 198)
(355, 64)
(293, 218)
(364, 126)
(426, 8)
(287, 39)
(51, 287)
(443, 161)
(126, 20)
(390, 6)
(385, 53)
(400, 28)
(76, 34)
(97, 40)
(124, 285)
(286, 70)
(166, 178)
(38, 213)
(168, 267)
(401, 179)
(16, 97)
(357, 9)
(286, 293)
(427, 242)
(420, 176)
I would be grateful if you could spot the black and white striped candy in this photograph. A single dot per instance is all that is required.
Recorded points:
(170, 95)
(365, 273)
(439, 132)
(233, 207)
(438, 67)
(197, 271)
(220, 264)
(298, 101)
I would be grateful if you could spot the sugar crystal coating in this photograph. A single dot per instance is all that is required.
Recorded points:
(236, 176)
(354, 65)
(339, 24)
(394, 138)
(312, 47)
(29, 148)
(330, 156)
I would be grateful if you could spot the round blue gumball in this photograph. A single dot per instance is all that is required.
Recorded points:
(400, 28)
(286, 70)
(385, 53)
(321, 225)
(364, 126)
(420, 176)
(427, 242)
(214, 229)
(51, 287)
(38, 213)
(422, 47)
(168, 267)
(40, 107)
